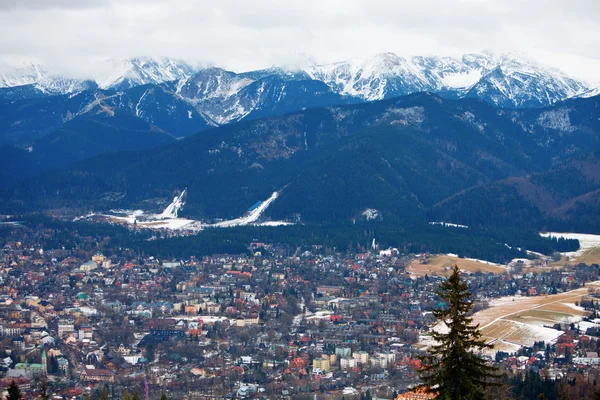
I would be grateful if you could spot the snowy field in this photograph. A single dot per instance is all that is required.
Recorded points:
(449, 224)
(249, 218)
(521, 320)
(515, 321)
(586, 241)
(169, 219)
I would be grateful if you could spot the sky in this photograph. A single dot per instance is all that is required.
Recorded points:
(75, 36)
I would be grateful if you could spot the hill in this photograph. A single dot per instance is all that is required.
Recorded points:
(407, 158)
(565, 198)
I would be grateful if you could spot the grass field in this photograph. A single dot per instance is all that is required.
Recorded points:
(512, 322)
(443, 264)
(520, 321)
(590, 256)
(588, 253)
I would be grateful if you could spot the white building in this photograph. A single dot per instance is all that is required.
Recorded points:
(361, 357)
(347, 363)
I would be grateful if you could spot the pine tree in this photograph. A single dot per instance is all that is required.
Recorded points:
(125, 395)
(163, 396)
(44, 391)
(453, 368)
(14, 393)
(104, 394)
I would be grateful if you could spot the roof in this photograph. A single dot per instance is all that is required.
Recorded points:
(98, 372)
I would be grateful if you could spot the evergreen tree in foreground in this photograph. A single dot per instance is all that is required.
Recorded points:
(454, 369)
(13, 391)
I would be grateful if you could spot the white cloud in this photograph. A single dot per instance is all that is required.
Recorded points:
(73, 35)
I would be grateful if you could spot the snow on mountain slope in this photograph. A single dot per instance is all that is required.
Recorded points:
(452, 73)
(213, 83)
(35, 74)
(510, 80)
(387, 75)
(374, 78)
(116, 73)
(517, 81)
(221, 96)
(125, 73)
(214, 92)
(588, 93)
(27, 74)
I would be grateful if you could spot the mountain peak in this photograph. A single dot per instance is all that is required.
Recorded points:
(123, 73)
(26, 74)
(511, 79)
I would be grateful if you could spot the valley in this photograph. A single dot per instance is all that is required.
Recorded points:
(299, 200)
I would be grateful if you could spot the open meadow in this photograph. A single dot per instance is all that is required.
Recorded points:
(511, 322)
(443, 264)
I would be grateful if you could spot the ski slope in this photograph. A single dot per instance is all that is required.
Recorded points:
(168, 219)
(249, 218)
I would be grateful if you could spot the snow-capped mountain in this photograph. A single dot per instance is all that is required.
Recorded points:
(27, 74)
(223, 96)
(510, 80)
(125, 73)
(215, 96)
(35, 76)
(387, 75)
(384, 75)
(588, 93)
(213, 90)
(116, 74)
(516, 81)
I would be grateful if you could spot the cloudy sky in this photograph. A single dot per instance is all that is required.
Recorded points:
(74, 35)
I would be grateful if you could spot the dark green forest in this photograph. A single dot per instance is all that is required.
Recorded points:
(494, 245)
(416, 159)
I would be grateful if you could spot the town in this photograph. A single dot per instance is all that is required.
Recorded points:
(96, 321)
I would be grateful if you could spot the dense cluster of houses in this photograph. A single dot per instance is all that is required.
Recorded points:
(284, 323)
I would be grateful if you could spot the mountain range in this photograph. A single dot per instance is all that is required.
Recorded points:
(181, 100)
(413, 158)
(476, 140)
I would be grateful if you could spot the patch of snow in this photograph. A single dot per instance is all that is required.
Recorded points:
(407, 115)
(534, 333)
(137, 106)
(141, 71)
(587, 93)
(524, 261)
(482, 261)
(275, 223)
(173, 208)
(574, 307)
(585, 325)
(534, 253)
(586, 241)
(90, 215)
(371, 214)
(462, 80)
(168, 219)
(557, 120)
(251, 217)
(448, 224)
